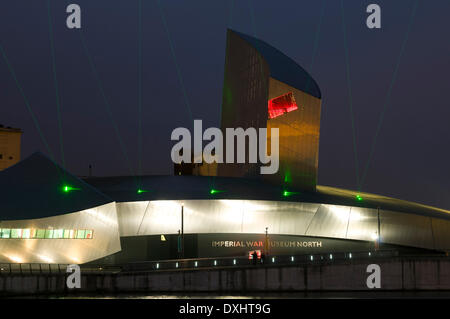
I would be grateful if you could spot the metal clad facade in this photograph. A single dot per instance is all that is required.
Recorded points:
(245, 90)
(222, 216)
(282, 218)
(105, 241)
(298, 138)
(406, 229)
(363, 223)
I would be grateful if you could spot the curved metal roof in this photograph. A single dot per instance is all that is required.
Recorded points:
(159, 187)
(33, 188)
(282, 67)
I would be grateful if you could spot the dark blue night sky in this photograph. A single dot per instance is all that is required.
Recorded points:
(411, 155)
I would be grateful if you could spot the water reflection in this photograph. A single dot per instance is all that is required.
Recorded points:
(286, 295)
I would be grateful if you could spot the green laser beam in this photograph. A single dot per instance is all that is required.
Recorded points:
(55, 83)
(391, 85)
(172, 51)
(106, 103)
(287, 176)
(317, 36)
(30, 110)
(140, 139)
(316, 43)
(349, 87)
(27, 104)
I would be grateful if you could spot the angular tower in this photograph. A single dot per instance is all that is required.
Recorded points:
(265, 88)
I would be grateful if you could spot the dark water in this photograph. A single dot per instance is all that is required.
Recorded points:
(287, 295)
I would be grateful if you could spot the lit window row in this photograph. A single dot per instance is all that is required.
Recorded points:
(27, 233)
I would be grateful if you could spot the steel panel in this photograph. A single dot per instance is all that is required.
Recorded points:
(363, 224)
(406, 229)
(441, 233)
(329, 221)
(215, 216)
(130, 215)
(102, 220)
(285, 218)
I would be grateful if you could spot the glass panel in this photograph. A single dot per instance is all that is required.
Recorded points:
(49, 233)
(66, 233)
(80, 234)
(16, 233)
(58, 233)
(26, 233)
(40, 233)
(6, 233)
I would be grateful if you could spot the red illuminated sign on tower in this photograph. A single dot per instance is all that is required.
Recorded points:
(281, 105)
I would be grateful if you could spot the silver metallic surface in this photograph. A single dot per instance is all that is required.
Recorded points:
(102, 220)
(217, 216)
(283, 218)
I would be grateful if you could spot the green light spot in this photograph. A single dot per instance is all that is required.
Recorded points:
(215, 191)
(140, 191)
(359, 198)
(67, 188)
(287, 193)
(287, 177)
(228, 95)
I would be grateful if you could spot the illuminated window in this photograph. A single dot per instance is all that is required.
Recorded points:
(40, 233)
(16, 233)
(49, 233)
(6, 233)
(58, 233)
(281, 105)
(26, 233)
(88, 234)
(80, 234)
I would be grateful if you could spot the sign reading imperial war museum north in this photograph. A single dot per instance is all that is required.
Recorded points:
(210, 245)
(261, 244)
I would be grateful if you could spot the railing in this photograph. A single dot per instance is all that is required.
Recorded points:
(209, 263)
(33, 268)
(270, 260)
